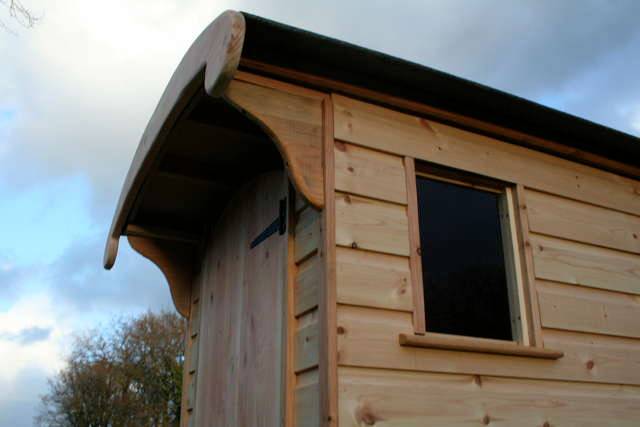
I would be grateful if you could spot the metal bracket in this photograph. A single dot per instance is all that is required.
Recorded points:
(278, 225)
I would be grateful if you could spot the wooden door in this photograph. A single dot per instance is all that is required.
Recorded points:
(240, 363)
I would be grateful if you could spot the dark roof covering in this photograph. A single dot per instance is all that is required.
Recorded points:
(285, 46)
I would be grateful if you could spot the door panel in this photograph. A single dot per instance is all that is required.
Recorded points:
(240, 377)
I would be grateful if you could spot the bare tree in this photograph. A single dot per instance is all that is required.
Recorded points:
(127, 375)
(18, 12)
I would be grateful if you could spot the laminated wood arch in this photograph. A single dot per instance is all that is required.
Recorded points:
(208, 135)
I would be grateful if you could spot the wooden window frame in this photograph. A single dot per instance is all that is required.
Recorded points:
(525, 322)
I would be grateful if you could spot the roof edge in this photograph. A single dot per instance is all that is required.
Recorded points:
(212, 60)
(325, 59)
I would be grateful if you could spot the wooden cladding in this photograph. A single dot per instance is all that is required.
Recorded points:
(405, 135)
(393, 398)
(581, 309)
(580, 264)
(579, 257)
(373, 280)
(368, 337)
(306, 268)
(369, 173)
(370, 224)
(569, 219)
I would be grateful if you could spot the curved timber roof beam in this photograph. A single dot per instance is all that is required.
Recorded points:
(293, 122)
(216, 52)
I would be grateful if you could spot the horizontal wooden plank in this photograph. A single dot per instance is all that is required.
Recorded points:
(601, 356)
(194, 354)
(308, 279)
(369, 338)
(373, 280)
(575, 308)
(300, 203)
(393, 398)
(369, 173)
(403, 134)
(306, 347)
(307, 405)
(307, 234)
(561, 217)
(194, 319)
(579, 264)
(371, 224)
(476, 345)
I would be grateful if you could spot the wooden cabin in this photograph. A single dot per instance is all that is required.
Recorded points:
(357, 240)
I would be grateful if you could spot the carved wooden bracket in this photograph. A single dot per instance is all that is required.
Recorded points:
(294, 123)
(175, 260)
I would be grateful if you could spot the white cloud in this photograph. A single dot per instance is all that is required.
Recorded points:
(31, 310)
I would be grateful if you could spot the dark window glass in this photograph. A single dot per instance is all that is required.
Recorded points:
(465, 285)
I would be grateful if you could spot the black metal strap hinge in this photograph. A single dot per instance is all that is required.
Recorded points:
(278, 225)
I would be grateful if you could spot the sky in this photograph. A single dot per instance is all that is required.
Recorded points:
(77, 90)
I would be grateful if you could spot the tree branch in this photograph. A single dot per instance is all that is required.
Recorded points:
(18, 12)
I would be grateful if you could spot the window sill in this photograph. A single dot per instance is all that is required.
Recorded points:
(476, 345)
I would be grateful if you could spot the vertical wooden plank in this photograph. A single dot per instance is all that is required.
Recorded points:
(328, 366)
(512, 264)
(185, 412)
(529, 294)
(290, 318)
(415, 261)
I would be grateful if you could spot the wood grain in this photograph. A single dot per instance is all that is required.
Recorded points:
(483, 127)
(294, 123)
(369, 338)
(476, 345)
(307, 347)
(527, 295)
(370, 224)
(308, 280)
(328, 367)
(369, 173)
(392, 398)
(589, 310)
(307, 413)
(240, 368)
(307, 234)
(373, 280)
(599, 357)
(579, 264)
(561, 217)
(175, 261)
(403, 134)
(415, 255)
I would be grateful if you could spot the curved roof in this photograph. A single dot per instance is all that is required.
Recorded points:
(238, 40)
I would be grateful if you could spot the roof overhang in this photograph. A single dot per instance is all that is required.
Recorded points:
(211, 60)
(237, 40)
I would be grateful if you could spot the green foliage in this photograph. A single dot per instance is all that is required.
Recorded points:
(127, 375)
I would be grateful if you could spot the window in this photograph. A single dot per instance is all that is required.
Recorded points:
(467, 255)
